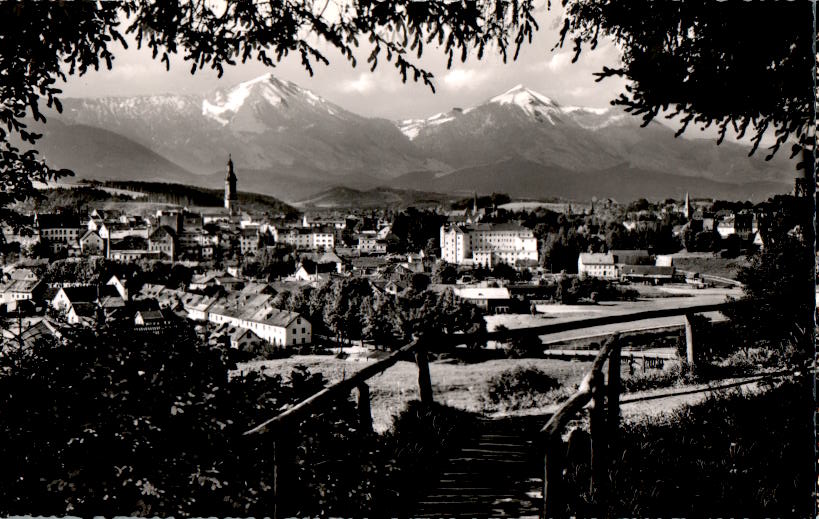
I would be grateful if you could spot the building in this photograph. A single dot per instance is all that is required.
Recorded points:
(487, 245)
(92, 243)
(249, 241)
(371, 244)
(277, 327)
(231, 196)
(647, 273)
(597, 265)
(491, 299)
(60, 231)
(163, 242)
(18, 290)
(306, 238)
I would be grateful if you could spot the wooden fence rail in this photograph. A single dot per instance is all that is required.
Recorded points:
(603, 424)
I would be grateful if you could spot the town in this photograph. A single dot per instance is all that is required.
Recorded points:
(244, 278)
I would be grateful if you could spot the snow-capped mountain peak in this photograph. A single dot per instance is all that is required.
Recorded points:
(266, 88)
(531, 102)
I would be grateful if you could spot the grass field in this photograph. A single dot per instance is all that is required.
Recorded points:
(463, 386)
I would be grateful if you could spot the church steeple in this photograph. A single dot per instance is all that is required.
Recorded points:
(231, 198)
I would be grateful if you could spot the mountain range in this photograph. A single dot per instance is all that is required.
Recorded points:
(290, 143)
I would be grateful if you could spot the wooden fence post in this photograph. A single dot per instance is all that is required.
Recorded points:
(689, 340)
(613, 396)
(276, 455)
(553, 505)
(597, 430)
(424, 382)
(365, 416)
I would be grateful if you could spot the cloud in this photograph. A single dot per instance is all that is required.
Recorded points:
(559, 61)
(468, 79)
(363, 84)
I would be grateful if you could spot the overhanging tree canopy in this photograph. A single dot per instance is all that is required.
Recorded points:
(742, 65)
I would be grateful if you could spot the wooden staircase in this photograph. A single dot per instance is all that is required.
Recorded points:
(498, 472)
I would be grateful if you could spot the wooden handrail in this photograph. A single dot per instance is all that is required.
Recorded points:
(347, 385)
(338, 389)
(583, 394)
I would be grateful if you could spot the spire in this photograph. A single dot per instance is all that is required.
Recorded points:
(687, 206)
(230, 174)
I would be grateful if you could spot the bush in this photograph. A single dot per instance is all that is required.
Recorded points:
(522, 387)
(676, 375)
(117, 423)
(734, 455)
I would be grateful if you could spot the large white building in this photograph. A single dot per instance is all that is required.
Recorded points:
(486, 245)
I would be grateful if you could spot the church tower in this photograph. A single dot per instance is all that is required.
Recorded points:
(231, 198)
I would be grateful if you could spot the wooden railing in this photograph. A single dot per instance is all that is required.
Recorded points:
(592, 388)
(604, 421)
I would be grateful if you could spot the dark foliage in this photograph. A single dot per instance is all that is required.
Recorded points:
(124, 424)
(734, 455)
(520, 383)
(742, 65)
(413, 229)
(121, 424)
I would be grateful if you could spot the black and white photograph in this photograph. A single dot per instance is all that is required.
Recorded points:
(450, 259)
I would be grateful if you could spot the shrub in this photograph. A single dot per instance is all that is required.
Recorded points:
(675, 375)
(522, 387)
(736, 454)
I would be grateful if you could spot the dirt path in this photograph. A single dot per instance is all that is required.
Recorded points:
(655, 402)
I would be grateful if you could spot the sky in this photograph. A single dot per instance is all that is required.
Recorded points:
(382, 93)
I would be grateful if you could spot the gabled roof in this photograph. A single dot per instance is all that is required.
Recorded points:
(89, 234)
(84, 309)
(80, 294)
(162, 233)
(596, 258)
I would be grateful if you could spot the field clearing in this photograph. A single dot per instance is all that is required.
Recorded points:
(707, 263)
(462, 386)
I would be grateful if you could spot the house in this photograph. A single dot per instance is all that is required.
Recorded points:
(129, 249)
(314, 272)
(647, 273)
(238, 338)
(81, 313)
(151, 291)
(60, 230)
(67, 296)
(197, 306)
(17, 290)
(277, 327)
(371, 244)
(23, 274)
(249, 241)
(163, 241)
(92, 243)
(153, 320)
(597, 265)
(491, 299)
(396, 288)
(119, 285)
